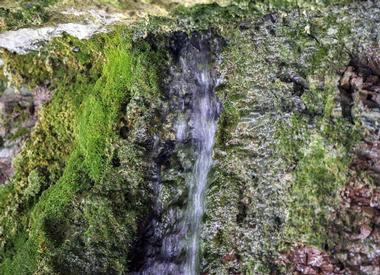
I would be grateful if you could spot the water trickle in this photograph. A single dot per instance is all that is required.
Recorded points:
(205, 111)
(174, 244)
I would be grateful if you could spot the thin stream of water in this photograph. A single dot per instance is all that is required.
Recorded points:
(172, 242)
(204, 118)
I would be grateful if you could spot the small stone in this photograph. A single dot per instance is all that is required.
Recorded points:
(365, 232)
(327, 268)
(229, 257)
(356, 82)
(369, 211)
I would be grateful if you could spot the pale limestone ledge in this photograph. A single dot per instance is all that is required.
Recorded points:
(25, 40)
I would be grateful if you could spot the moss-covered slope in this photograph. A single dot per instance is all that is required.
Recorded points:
(72, 205)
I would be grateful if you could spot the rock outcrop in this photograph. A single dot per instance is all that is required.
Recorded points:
(18, 115)
(98, 175)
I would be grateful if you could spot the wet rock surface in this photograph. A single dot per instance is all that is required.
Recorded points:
(169, 240)
(250, 197)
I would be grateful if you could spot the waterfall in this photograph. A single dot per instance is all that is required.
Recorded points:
(205, 110)
(173, 244)
(200, 78)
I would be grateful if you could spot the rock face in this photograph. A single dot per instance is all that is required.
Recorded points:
(26, 40)
(259, 202)
(18, 112)
(355, 223)
(310, 260)
(219, 141)
(358, 247)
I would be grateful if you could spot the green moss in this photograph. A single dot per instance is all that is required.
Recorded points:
(19, 133)
(319, 146)
(65, 61)
(318, 176)
(69, 159)
(28, 13)
(316, 142)
(74, 203)
(291, 4)
(5, 191)
(292, 137)
(24, 262)
(227, 122)
(39, 165)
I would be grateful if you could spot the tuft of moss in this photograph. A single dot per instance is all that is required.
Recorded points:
(319, 174)
(65, 61)
(227, 122)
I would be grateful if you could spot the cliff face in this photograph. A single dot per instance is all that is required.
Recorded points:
(101, 142)
(287, 143)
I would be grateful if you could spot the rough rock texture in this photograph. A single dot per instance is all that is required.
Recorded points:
(25, 40)
(18, 114)
(358, 247)
(296, 160)
(278, 69)
(310, 260)
(160, 246)
(354, 225)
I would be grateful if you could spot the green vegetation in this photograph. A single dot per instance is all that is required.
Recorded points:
(305, 4)
(321, 153)
(318, 176)
(312, 145)
(69, 204)
(28, 13)
(227, 123)
(317, 142)
(79, 192)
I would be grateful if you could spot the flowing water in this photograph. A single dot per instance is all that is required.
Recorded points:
(173, 247)
(204, 117)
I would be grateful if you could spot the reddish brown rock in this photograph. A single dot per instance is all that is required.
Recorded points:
(310, 260)
(365, 231)
(229, 257)
(354, 232)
